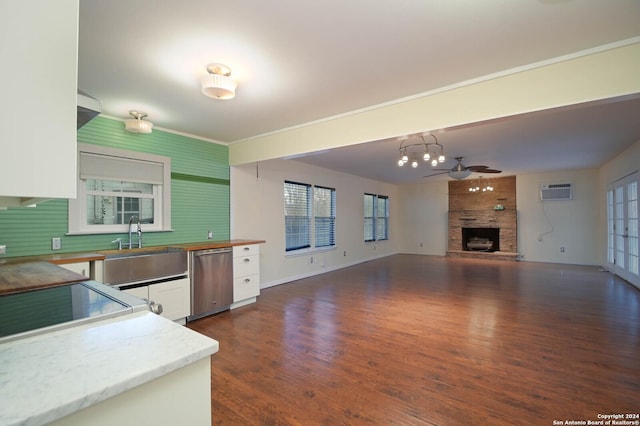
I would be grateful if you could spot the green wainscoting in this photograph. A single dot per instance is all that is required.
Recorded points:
(199, 195)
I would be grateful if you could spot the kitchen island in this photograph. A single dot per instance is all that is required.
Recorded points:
(129, 370)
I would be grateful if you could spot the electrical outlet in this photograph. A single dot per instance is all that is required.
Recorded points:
(345, 253)
(56, 244)
(561, 249)
(3, 249)
(209, 235)
(311, 259)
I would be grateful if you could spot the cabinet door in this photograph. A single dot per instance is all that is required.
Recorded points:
(39, 47)
(81, 268)
(174, 296)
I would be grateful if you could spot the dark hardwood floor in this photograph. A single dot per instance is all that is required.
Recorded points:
(422, 340)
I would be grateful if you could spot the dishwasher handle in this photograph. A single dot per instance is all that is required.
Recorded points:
(212, 251)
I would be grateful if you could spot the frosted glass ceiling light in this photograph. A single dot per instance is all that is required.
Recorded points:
(137, 124)
(217, 84)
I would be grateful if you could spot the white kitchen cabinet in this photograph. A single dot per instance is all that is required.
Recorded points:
(182, 397)
(174, 296)
(139, 292)
(38, 103)
(82, 268)
(246, 274)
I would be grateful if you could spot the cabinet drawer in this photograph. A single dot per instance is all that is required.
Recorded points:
(246, 265)
(246, 287)
(174, 296)
(250, 250)
(139, 292)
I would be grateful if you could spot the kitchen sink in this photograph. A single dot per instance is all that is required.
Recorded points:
(144, 265)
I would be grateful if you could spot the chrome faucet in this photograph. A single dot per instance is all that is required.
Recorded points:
(138, 231)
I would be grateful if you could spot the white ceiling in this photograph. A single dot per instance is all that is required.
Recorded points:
(301, 61)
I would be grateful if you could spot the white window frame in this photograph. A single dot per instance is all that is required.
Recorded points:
(375, 219)
(161, 193)
(312, 220)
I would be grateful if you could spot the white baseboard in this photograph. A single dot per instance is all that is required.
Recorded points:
(324, 270)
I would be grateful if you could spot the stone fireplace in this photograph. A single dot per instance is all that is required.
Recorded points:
(483, 224)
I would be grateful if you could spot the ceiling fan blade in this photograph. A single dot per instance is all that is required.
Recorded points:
(436, 174)
(483, 169)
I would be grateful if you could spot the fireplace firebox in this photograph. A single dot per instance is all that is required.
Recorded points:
(481, 239)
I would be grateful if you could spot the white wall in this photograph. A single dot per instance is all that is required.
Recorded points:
(419, 216)
(257, 212)
(546, 226)
(424, 218)
(424, 210)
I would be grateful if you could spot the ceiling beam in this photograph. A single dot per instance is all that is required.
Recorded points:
(588, 77)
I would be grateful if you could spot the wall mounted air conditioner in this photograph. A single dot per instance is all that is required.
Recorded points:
(556, 191)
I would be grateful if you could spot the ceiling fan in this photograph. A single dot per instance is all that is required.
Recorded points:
(460, 171)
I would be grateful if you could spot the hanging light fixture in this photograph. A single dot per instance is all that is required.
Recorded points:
(430, 151)
(477, 187)
(137, 124)
(217, 84)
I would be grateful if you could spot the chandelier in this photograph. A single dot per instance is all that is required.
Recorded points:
(431, 152)
(476, 186)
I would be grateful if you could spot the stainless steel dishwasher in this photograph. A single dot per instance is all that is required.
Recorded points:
(211, 282)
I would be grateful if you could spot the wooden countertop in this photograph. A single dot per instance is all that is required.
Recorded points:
(205, 245)
(20, 277)
(31, 272)
(65, 258)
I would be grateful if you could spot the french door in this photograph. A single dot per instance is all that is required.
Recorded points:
(622, 222)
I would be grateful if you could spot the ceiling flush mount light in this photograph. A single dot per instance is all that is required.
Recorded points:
(431, 152)
(137, 124)
(217, 84)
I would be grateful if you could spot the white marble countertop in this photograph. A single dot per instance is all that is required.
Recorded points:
(46, 377)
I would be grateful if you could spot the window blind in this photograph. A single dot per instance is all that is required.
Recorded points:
(324, 211)
(297, 212)
(106, 167)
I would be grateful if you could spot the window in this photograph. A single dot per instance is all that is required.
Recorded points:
(376, 217)
(297, 215)
(116, 185)
(310, 216)
(324, 208)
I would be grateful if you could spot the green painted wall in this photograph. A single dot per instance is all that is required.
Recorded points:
(199, 196)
